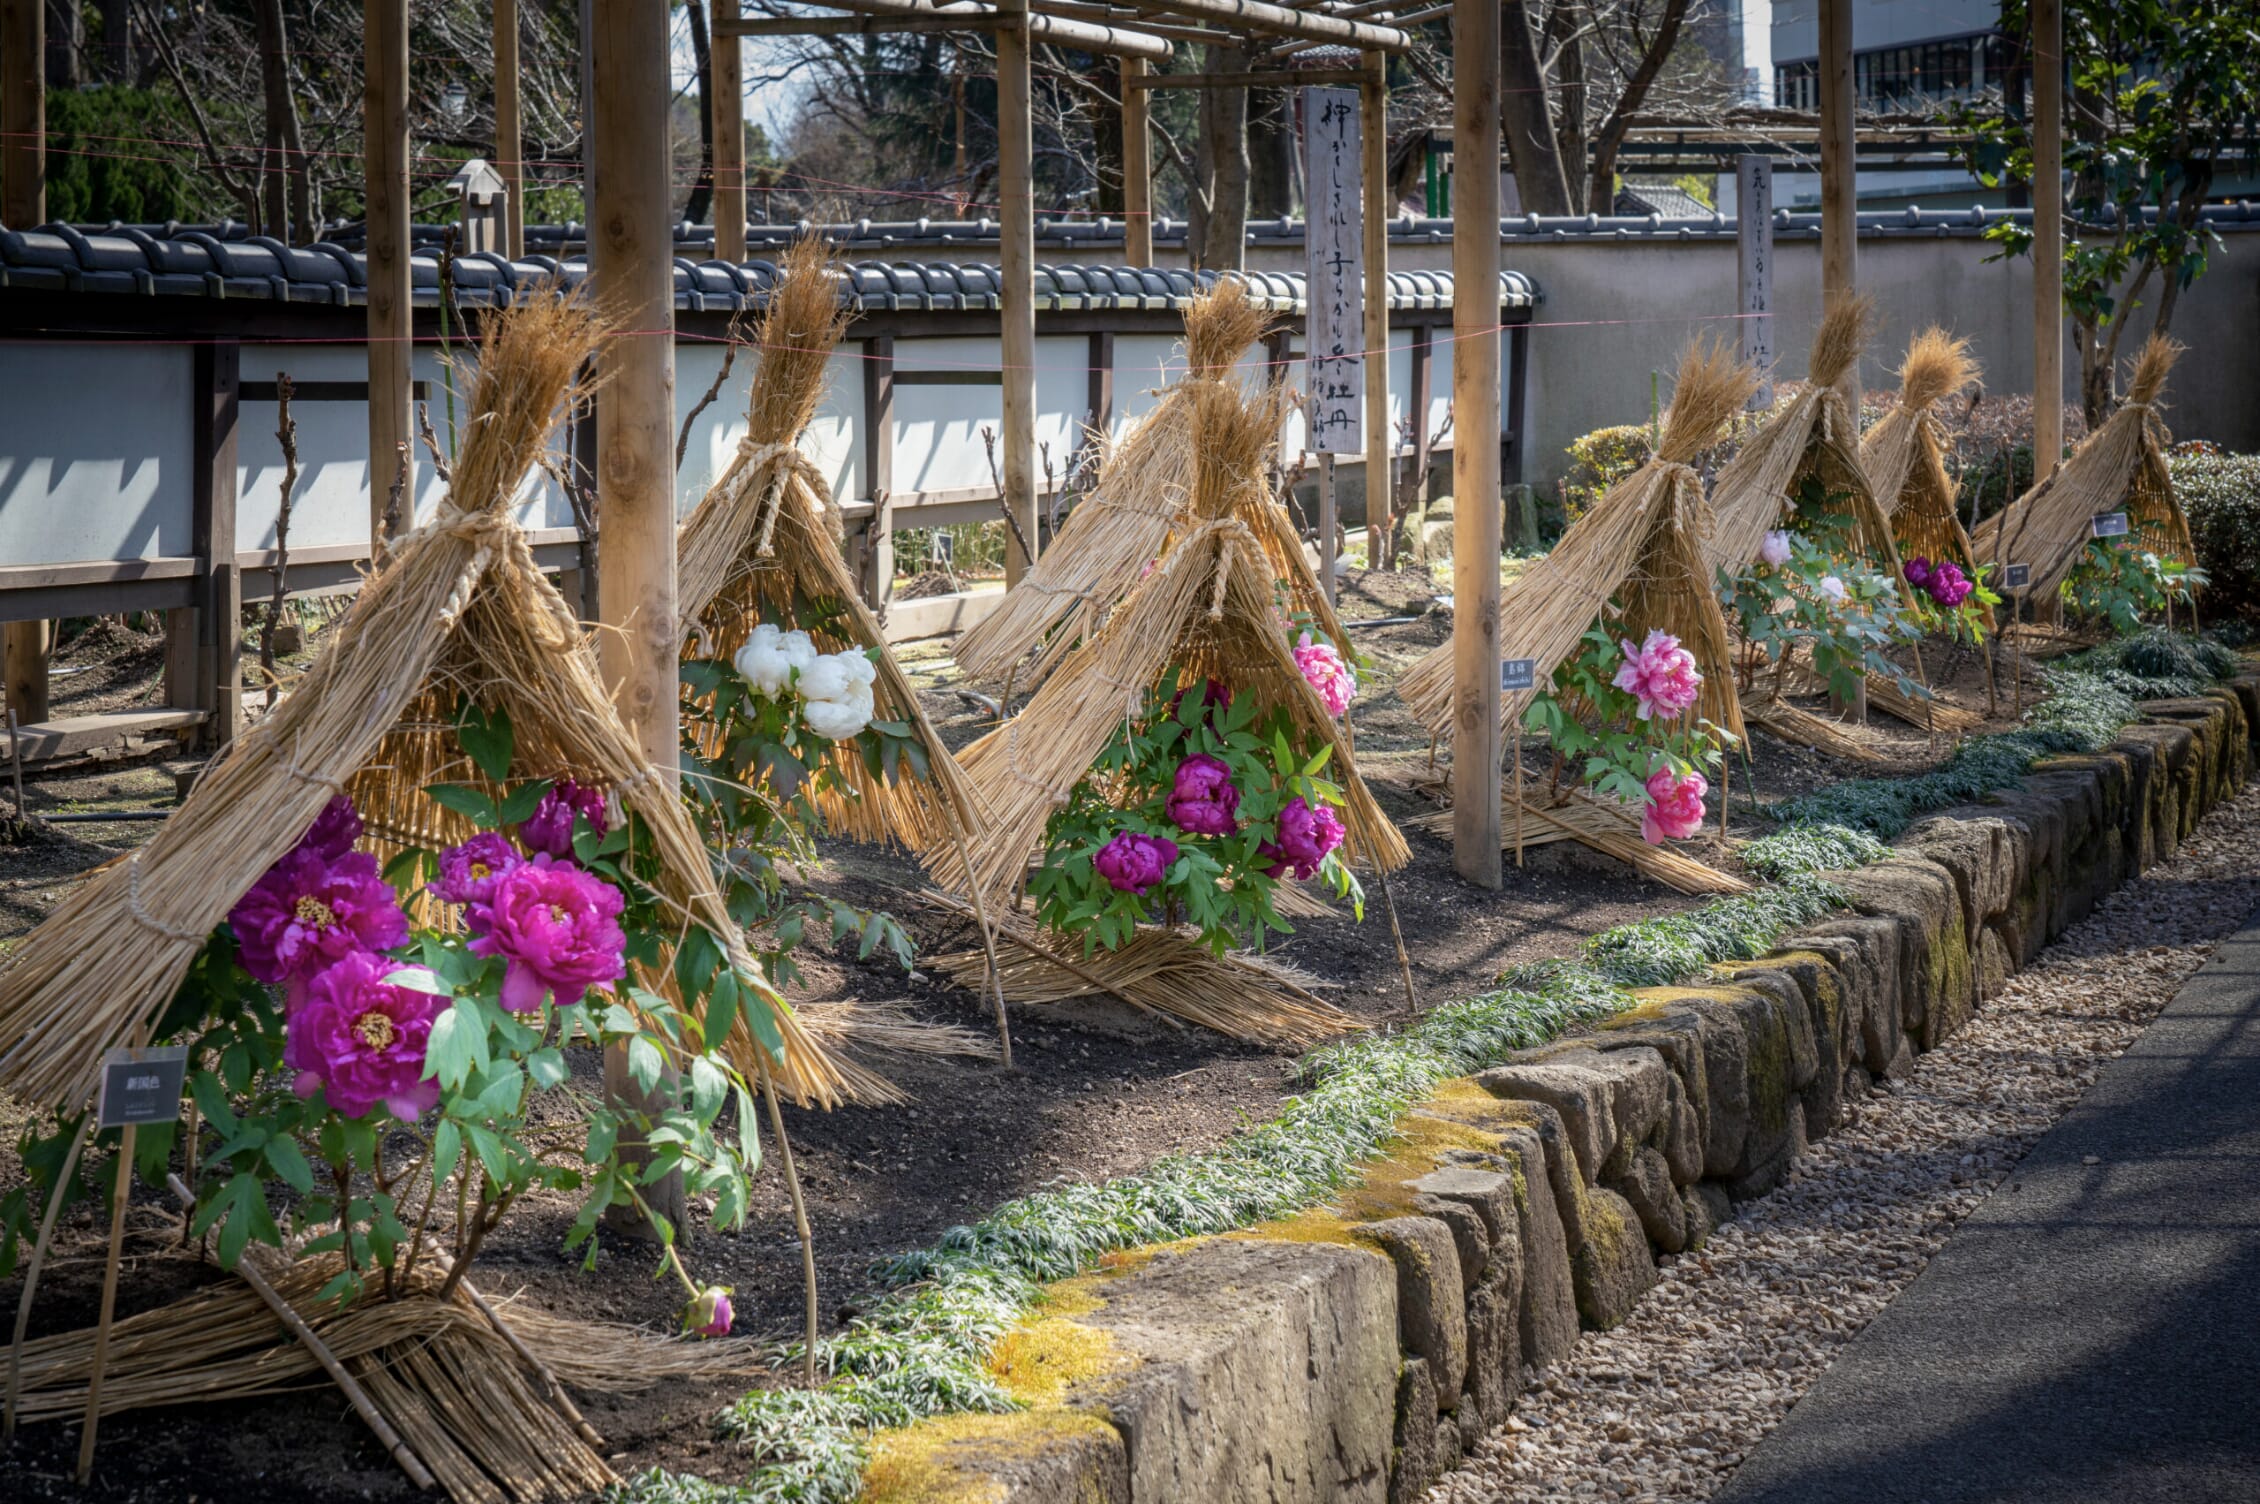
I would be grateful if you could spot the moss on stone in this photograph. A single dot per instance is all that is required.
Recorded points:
(1039, 1359)
(914, 1465)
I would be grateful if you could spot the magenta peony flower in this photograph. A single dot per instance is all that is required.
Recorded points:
(362, 1039)
(1675, 807)
(1322, 665)
(468, 873)
(550, 827)
(1306, 834)
(1775, 549)
(1133, 862)
(307, 912)
(1203, 800)
(1949, 586)
(1661, 675)
(334, 830)
(709, 1315)
(1917, 571)
(559, 929)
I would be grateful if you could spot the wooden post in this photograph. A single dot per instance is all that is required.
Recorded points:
(1840, 204)
(1477, 517)
(728, 63)
(879, 462)
(109, 1305)
(23, 206)
(2047, 237)
(1753, 217)
(1380, 437)
(384, 126)
(219, 603)
(1329, 526)
(509, 128)
(1016, 212)
(1137, 169)
(631, 264)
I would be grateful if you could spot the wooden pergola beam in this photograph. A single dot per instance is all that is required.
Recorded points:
(2047, 237)
(959, 16)
(1246, 17)
(1277, 78)
(509, 130)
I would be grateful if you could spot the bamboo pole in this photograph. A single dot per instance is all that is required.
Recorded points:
(23, 206)
(509, 128)
(631, 263)
(1329, 526)
(728, 62)
(2047, 237)
(118, 1199)
(384, 127)
(1137, 168)
(1244, 16)
(1016, 213)
(920, 15)
(1477, 515)
(63, 1178)
(1380, 438)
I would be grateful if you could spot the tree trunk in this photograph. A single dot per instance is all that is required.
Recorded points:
(284, 212)
(1603, 190)
(1271, 154)
(702, 190)
(117, 40)
(1218, 238)
(1525, 107)
(1106, 150)
(66, 34)
(1564, 39)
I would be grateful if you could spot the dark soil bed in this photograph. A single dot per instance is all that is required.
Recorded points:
(1098, 1091)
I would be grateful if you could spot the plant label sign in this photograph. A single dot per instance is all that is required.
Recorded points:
(2016, 576)
(2109, 524)
(1517, 673)
(141, 1086)
(1334, 334)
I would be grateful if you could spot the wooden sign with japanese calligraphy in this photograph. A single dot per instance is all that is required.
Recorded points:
(1753, 197)
(1334, 238)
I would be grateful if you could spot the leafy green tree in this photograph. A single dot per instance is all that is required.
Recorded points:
(96, 174)
(2160, 102)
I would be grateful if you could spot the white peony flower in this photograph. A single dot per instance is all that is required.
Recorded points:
(838, 720)
(762, 663)
(799, 651)
(1832, 587)
(860, 668)
(826, 678)
(1775, 549)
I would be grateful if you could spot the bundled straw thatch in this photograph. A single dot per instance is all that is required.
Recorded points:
(459, 609)
(2121, 465)
(760, 547)
(1144, 494)
(1905, 456)
(1639, 546)
(1815, 434)
(1207, 609)
(1606, 827)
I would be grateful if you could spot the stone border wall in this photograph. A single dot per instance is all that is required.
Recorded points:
(1353, 1353)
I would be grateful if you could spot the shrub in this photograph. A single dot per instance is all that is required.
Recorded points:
(1603, 457)
(2221, 494)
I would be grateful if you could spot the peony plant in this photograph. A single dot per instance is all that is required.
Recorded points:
(377, 1046)
(1621, 714)
(1194, 813)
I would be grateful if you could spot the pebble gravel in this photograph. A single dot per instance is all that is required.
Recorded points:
(1664, 1407)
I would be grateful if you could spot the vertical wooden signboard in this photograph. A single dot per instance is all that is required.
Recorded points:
(1334, 329)
(1753, 201)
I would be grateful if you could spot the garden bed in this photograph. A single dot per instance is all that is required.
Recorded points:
(1099, 1092)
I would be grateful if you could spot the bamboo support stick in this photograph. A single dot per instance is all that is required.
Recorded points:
(119, 1193)
(1397, 935)
(358, 1397)
(552, 1390)
(800, 1221)
(31, 1275)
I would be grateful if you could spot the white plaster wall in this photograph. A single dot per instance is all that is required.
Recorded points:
(95, 452)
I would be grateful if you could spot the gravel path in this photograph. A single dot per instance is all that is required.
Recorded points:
(1665, 1406)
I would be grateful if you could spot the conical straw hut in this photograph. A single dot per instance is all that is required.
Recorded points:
(1639, 545)
(1905, 456)
(1142, 497)
(2121, 466)
(458, 610)
(761, 546)
(1816, 434)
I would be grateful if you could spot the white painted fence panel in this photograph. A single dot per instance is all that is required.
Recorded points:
(95, 452)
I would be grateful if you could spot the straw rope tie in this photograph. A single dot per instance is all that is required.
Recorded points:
(760, 460)
(142, 916)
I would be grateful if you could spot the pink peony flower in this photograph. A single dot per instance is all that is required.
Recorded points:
(1203, 799)
(1306, 834)
(559, 929)
(468, 873)
(1917, 571)
(362, 1039)
(1322, 665)
(307, 912)
(334, 830)
(1661, 675)
(1132, 862)
(709, 1315)
(550, 827)
(1775, 549)
(1675, 807)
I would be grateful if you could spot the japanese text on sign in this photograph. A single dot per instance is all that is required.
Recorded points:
(1334, 238)
(1517, 673)
(2110, 524)
(141, 1086)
